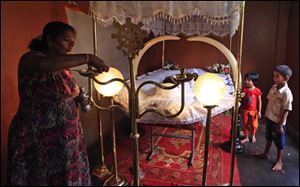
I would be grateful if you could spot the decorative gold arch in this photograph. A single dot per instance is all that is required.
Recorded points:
(149, 44)
(235, 64)
(222, 48)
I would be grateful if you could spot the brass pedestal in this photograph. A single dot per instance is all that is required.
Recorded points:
(115, 181)
(101, 172)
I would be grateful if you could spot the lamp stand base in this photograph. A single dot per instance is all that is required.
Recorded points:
(115, 181)
(101, 172)
(239, 147)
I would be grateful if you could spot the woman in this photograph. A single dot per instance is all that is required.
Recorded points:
(45, 142)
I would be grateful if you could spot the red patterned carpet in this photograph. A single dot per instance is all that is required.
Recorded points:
(169, 165)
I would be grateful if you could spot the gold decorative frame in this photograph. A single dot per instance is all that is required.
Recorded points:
(181, 78)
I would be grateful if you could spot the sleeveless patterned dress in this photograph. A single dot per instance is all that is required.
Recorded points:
(45, 141)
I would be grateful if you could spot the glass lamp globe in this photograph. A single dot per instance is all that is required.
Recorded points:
(209, 89)
(112, 88)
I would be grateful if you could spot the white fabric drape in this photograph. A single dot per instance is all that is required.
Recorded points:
(172, 17)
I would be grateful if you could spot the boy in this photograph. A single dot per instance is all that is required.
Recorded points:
(279, 104)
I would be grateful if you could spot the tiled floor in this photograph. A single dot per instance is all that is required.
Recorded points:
(257, 172)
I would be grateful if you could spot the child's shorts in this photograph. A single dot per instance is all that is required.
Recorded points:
(271, 134)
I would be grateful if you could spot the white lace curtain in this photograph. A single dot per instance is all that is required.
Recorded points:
(172, 17)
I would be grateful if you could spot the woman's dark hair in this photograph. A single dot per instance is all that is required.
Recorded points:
(253, 76)
(52, 30)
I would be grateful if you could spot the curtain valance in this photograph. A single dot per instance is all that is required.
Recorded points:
(172, 17)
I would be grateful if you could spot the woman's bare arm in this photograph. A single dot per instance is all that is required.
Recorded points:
(33, 63)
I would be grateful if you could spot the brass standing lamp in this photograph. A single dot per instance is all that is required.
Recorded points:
(180, 79)
(100, 171)
(209, 89)
(109, 90)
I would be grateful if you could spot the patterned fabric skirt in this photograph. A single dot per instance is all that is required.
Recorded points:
(46, 146)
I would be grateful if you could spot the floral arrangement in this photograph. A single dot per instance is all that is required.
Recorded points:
(170, 66)
(219, 68)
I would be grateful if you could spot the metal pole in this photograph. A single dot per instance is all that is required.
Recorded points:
(237, 87)
(207, 134)
(99, 118)
(134, 134)
(115, 170)
(163, 55)
(114, 180)
(100, 171)
(163, 51)
(230, 43)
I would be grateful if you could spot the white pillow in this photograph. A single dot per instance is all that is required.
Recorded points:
(175, 92)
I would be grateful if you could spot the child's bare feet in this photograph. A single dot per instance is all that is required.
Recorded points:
(253, 139)
(261, 156)
(245, 140)
(277, 166)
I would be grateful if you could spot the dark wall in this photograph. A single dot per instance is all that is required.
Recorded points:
(183, 53)
(271, 37)
(292, 59)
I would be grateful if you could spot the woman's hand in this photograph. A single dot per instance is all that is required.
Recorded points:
(97, 62)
